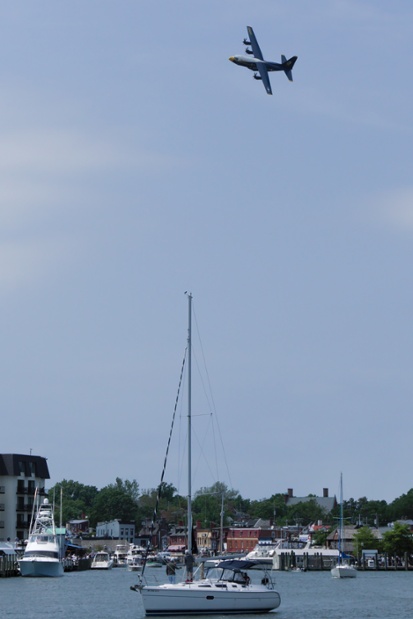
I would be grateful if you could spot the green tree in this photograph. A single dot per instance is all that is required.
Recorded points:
(207, 503)
(274, 507)
(402, 508)
(118, 500)
(77, 499)
(365, 539)
(305, 512)
(398, 540)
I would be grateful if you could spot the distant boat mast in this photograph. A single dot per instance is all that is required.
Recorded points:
(189, 517)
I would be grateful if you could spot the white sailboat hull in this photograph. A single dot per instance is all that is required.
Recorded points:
(344, 571)
(41, 567)
(207, 598)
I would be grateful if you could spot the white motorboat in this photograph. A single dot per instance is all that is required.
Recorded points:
(343, 569)
(134, 558)
(303, 555)
(42, 556)
(102, 561)
(263, 553)
(120, 555)
(223, 590)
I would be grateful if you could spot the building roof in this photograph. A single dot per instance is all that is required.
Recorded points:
(327, 503)
(14, 465)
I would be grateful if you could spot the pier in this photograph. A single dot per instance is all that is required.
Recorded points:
(8, 566)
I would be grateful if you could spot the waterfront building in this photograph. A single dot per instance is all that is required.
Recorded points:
(245, 538)
(20, 475)
(116, 529)
(326, 502)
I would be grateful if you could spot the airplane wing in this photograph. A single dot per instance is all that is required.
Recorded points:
(254, 43)
(264, 76)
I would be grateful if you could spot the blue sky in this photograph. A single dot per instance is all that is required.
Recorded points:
(137, 163)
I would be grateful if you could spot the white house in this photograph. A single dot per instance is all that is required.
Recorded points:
(116, 529)
(20, 475)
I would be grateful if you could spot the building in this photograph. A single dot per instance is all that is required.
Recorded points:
(78, 527)
(20, 475)
(153, 534)
(116, 529)
(326, 502)
(245, 538)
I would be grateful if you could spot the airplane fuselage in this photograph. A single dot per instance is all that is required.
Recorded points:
(252, 63)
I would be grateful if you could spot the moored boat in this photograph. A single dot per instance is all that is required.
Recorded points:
(226, 589)
(120, 555)
(343, 569)
(42, 555)
(102, 561)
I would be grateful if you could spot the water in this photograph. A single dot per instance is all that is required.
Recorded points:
(304, 595)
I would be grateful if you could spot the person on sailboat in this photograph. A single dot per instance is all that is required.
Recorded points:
(171, 571)
(189, 565)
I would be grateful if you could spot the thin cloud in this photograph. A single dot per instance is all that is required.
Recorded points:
(394, 208)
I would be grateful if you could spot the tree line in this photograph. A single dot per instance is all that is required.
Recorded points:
(124, 500)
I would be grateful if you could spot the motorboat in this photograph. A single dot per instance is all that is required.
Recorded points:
(42, 555)
(263, 553)
(120, 556)
(343, 569)
(134, 558)
(102, 561)
(289, 554)
(226, 589)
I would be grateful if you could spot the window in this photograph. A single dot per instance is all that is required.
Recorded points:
(2, 489)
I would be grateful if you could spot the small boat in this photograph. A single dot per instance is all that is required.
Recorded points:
(263, 553)
(134, 558)
(102, 561)
(42, 556)
(343, 569)
(120, 556)
(225, 589)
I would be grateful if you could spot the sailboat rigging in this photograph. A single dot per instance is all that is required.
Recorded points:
(226, 587)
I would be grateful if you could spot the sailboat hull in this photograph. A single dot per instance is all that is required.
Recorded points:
(344, 571)
(204, 598)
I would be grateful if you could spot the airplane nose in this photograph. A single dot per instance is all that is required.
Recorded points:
(231, 58)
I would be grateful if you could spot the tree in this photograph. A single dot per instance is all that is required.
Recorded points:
(274, 507)
(77, 499)
(118, 500)
(207, 504)
(305, 512)
(398, 541)
(402, 507)
(365, 539)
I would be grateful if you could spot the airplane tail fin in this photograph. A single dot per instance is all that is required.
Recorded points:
(287, 66)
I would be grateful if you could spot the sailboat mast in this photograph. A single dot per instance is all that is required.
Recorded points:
(340, 541)
(189, 518)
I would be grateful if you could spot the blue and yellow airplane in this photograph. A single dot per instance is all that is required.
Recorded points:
(257, 62)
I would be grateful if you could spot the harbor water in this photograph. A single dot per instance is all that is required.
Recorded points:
(304, 595)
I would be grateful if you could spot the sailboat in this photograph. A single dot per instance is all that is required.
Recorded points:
(343, 569)
(42, 556)
(226, 588)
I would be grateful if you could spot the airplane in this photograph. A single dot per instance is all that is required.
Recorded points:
(257, 62)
